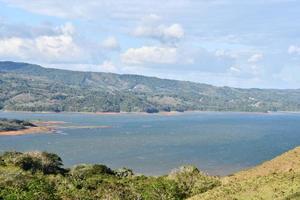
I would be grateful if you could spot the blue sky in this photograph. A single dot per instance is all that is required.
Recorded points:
(221, 42)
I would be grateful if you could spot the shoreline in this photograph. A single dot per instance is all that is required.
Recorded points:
(48, 127)
(171, 113)
(26, 131)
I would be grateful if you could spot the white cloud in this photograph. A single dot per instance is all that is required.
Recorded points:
(174, 31)
(150, 54)
(45, 48)
(161, 32)
(256, 58)
(294, 49)
(111, 43)
(11, 47)
(67, 29)
(59, 47)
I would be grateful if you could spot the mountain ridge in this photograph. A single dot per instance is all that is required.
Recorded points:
(29, 87)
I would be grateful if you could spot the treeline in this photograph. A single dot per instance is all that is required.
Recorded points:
(26, 87)
(14, 124)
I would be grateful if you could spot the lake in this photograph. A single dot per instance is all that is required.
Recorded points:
(217, 143)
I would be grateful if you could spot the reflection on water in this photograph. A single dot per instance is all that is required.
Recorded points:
(218, 143)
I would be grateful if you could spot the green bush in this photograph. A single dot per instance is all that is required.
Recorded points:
(40, 176)
(48, 163)
(157, 188)
(191, 181)
(84, 171)
(33, 188)
(29, 163)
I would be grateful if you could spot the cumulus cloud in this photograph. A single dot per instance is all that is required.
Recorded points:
(179, 58)
(162, 29)
(152, 27)
(150, 54)
(46, 48)
(163, 33)
(294, 49)
(111, 43)
(67, 29)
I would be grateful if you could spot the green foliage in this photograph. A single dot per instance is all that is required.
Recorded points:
(278, 179)
(39, 175)
(29, 163)
(191, 181)
(13, 124)
(85, 171)
(44, 162)
(27, 188)
(157, 188)
(26, 87)
(124, 173)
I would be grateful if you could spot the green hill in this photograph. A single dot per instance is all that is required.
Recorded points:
(27, 87)
(275, 179)
(40, 175)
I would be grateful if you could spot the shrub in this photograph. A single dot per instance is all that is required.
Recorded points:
(158, 188)
(51, 163)
(151, 110)
(48, 163)
(29, 163)
(191, 181)
(124, 173)
(31, 189)
(85, 171)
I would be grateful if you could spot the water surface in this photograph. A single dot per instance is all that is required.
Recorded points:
(218, 143)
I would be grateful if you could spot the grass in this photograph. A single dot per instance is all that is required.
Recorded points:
(275, 179)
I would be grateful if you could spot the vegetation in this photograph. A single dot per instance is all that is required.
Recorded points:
(14, 125)
(26, 87)
(275, 179)
(40, 176)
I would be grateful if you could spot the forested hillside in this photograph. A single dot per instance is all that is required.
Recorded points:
(27, 87)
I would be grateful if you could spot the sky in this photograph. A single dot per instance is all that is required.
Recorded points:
(247, 44)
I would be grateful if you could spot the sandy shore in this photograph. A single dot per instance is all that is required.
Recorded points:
(27, 131)
(49, 123)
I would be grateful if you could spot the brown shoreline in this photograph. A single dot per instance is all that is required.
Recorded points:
(30, 130)
(145, 113)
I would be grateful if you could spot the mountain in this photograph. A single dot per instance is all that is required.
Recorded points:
(28, 87)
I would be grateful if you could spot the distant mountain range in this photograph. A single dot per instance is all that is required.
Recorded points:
(28, 87)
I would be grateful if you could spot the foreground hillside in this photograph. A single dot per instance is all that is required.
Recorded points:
(27, 87)
(40, 176)
(36, 176)
(275, 179)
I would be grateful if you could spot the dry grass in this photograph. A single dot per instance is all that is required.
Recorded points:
(275, 179)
